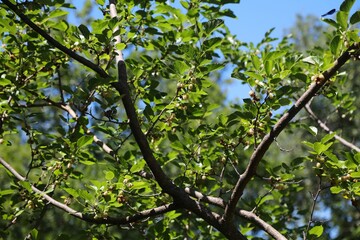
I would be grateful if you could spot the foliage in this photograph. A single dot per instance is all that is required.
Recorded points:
(153, 151)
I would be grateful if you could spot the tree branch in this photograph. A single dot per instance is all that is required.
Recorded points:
(327, 129)
(88, 218)
(179, 195)
(279, 126)
(55, 43)
(219, 202)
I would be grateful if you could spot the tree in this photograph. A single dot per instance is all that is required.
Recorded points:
(113, 148)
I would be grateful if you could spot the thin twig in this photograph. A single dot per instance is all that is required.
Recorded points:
(314, 198)
(327, 129)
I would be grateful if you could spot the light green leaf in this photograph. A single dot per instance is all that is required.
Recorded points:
(34, 234)
(26, 185)
(328, 137)
(317, 231)
(320, 148)
(342, 19)
(336, 189)
(254, 75)
(180, 67)
(269, 67)
(255, 61)
(109, 175)
(84, 141)
(355, 174)
(6, 192)
(54, 14)
(311, 60)
(138, 166)
(264, 199)
(71, 191)
(100, 2)
(274, 55)
(4, 82)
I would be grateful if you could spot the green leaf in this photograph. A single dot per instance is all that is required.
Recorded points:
(100, 2)
(274, 55)
(254, 75)
(6, 192)
(211, 43)
(4, 82)
(84, 141)
(255, 61)
(335, 45)
(317, 231)
(346, 5)
(336, 190)
(212, 25)
(355, 18)
(330, 22)
(54, 14)
(320, 148)
(138, 166)
(328, 137)
(311, 60)
(355, 174)
(313, 130)
(109, 175)
(34, 234)
(264, 199)
(84, 31)
(284, 101)
(71, 191)
(269, 67)
(26, 185)
(342, 19)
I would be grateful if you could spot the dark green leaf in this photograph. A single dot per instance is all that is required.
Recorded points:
(346, 5)
(212, 25)
(85, 31)
(335, 45)
(355, 18)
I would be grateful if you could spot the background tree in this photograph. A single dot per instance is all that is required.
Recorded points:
(96, 150)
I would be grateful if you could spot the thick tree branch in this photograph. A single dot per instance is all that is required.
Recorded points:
(327, 129)
(179, 195)
(55, 43)
(88, 218)
(279, 126)
(219, 202)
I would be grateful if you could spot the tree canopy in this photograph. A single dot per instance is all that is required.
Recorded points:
(116, 127)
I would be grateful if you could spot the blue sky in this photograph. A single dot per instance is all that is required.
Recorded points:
(255, 17)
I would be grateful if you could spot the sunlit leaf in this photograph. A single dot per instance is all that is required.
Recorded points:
(317, 231)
